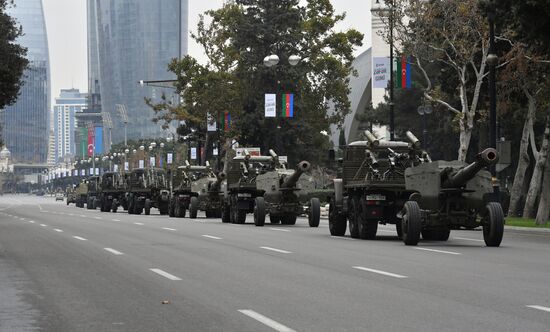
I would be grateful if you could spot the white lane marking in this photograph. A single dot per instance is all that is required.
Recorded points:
(99, 218)
(169, 229)
(71, 214)
(342, 237)
(279, 229)
(138, 223)
(266, 321)
(468, 239)
(21, 218)
(116, 219)
(80, 238)
(83, 216)
(389, 274)
(277, 250)
(58, 230)
(31, 221)
(165, 274)
(538, 307)
(113, 251)
(43, 225)
(212, 237)
(438, 251)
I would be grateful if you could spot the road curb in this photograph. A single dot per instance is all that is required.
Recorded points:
(527, 229)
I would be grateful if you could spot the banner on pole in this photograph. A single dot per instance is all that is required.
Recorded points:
(126, 166)
(288, 105)
(82, 172)
(169, 157)
(211, 124)
(91, 171)
(270, 105)
(142, 163)
(96, 171)
(115, 168)
(193, 153)
(152, 161)
(380, 72)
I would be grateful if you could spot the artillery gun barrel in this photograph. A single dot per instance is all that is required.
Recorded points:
(291, 181)
(219, 179)
(273, 154)
(413, 139)
(371, 138)
(372, 158)
(485, 158)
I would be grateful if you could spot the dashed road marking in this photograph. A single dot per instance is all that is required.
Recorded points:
(58, 230)
(266, 320)
(98, 218)
(279, 229)
(277, 250)
(43, 225)
(113, 251)
(212, 237)
(169, 229)
(83, 216)
(538, 307)
(165, 274)
(438, 251)
(31, 221)
(389, 274)
(80, 238)
(116, 219)
(468, 239)
(138, 223)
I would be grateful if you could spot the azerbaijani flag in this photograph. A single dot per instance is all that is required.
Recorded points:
(288, 105)
(226, 121)
(403, 73)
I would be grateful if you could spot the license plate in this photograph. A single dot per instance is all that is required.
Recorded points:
(376, 198)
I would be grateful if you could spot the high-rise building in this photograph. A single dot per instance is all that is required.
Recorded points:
(69, 102)
(25, 124)
(130, 41)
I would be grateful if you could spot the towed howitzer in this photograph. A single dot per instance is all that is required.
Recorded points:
(487, 157)
(452, 195)
(290, 181)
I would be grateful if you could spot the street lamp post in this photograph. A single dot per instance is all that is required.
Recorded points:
(424, 111)
(492, 61)
(392, 114)
(93, 156)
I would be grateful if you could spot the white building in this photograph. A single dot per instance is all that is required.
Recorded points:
(66, 105)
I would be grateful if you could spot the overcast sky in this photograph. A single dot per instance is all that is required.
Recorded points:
(66, 26)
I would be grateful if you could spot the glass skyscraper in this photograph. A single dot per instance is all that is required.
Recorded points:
(25, 124)
(129, 41)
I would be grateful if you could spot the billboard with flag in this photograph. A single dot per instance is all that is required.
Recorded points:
(270, 105)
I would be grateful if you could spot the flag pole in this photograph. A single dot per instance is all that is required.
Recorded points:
(392, 115)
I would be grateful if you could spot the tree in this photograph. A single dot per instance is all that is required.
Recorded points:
(236, 39)
(12, 56)
(453, 34)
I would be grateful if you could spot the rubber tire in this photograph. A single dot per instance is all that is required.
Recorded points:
(89, 203)
(288, 220)
(180, 210)
(399, 229)
(336, 222)
(115, 207)
(412, 223)
(493, 225)
(171, 209)
(367, 229)
(147, 206)
(226, 214)
(274, 220)
(436, 234)
(314, 216)
(241, 217)
(259, 211)
(193, 207)
(353, 218)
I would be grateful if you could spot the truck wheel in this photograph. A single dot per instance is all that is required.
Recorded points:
(314, 216)
(353, 218)
(171, 209)
(241, 216)
(180, 210)
(115, 207)
(95, 204)
(288, 220)
(193, 207)
(436, 234)
(259, 211)
(399, 229)
(89, 203)
(336, 222)
(225, 214)
(411, 223)
(368, 229)
(131, 206)
(108, 205)
(147, 206)
(274, 220)
(493, 225)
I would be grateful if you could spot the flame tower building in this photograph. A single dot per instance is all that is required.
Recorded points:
(130, 41)
(25, 123)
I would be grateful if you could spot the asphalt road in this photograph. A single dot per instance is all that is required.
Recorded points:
(68, 269)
